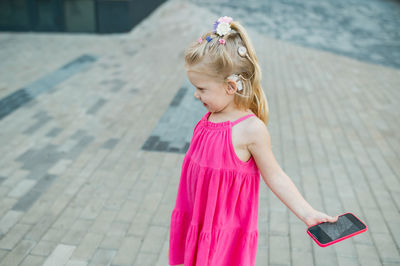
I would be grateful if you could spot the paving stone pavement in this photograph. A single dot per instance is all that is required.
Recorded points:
(91, 154)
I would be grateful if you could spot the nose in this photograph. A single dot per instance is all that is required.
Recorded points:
(196, 95)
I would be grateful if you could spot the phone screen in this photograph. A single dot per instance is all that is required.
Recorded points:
(345, 225)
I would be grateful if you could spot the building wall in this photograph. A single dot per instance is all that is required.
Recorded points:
(101, 16)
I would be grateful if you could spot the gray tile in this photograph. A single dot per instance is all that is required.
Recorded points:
(27, 200)
(150, 143)
(173, 131)
(134, 90)
(40, 114)
(96, 106)
(13, 101)
(102, 257)
(80, 61)
(79, 147)
(54, 132)
(130, 52)
(41, 159)
(8, 220)
(110, 144)
(41, 122)
(117, 84)
(179, 96)
(78, 134)
(44, 183)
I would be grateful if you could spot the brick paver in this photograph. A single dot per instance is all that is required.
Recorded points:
(90, 166)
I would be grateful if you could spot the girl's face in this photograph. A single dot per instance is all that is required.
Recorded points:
(215, 95)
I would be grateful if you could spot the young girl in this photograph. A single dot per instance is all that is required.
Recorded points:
(214, 221)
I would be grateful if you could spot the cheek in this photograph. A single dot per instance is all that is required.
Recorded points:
(205, 99)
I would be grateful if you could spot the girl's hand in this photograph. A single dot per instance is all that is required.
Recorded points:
(316, 217)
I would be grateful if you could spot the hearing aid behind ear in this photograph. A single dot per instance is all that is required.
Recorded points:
(236, 78)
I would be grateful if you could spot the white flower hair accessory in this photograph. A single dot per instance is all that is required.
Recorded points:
(223, 25)
(236, 78)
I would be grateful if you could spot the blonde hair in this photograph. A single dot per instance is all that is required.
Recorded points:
(222, 60)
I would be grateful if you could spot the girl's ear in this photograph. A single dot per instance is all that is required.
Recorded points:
(231, 87)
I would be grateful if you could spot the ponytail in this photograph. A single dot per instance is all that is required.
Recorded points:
(257, 101)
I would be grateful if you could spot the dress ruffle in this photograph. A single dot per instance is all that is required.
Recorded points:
(233, 245)
(177, 239)
(218, 196)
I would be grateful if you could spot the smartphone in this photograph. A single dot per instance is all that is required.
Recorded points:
(347, 225)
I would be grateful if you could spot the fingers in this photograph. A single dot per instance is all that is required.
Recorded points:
(333, 219)
(330, 219)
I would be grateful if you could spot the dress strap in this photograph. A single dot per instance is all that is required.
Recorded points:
(242, 118)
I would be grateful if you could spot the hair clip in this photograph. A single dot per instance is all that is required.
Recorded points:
(200, 40)
(208, 38)
(222, 41)
(242, 51)
(236, 78)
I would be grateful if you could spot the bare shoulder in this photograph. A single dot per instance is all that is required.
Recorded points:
(260, 149)
(257, 132)
(245, 132)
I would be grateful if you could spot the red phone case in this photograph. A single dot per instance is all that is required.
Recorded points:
(339, 239)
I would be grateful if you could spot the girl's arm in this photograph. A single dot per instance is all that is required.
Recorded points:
(277, 180)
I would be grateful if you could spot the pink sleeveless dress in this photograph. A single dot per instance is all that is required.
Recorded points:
(214, 221)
